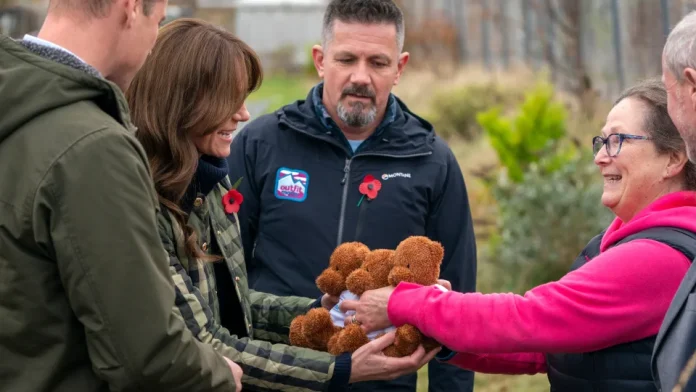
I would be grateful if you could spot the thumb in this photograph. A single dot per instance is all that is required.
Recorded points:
(445, 283)
(348, 304)
(382, 342)
(332, 298)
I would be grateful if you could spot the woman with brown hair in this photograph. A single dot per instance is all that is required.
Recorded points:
(187, 101)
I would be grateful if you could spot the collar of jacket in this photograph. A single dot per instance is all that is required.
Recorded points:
(30, 68)
(210, 171)
(329, 123)
(60, 56)
(402, 134)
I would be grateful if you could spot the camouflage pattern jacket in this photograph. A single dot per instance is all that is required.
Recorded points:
(267, 360)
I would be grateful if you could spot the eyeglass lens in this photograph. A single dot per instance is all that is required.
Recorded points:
(612, 143)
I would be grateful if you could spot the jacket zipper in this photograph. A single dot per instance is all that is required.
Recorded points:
(346, 175)
(344, 182)
(344, 200)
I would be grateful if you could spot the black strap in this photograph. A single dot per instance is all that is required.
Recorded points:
(681, 240)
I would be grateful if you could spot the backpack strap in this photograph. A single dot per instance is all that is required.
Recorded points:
(681, 240)
(592, 248)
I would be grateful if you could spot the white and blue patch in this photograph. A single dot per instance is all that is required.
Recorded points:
(291, 184)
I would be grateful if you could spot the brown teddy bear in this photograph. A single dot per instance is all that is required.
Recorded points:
(315, 329)
(373, 274)
(417, 259)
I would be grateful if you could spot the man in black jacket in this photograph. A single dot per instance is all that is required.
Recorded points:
(303, 165)
(676, 341)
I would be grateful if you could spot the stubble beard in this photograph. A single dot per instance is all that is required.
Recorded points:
(357, 115)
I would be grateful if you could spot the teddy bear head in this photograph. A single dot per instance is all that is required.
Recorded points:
(345, 259)
(417, 259)
(373, 274)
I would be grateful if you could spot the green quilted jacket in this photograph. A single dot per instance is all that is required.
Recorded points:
(267, 360)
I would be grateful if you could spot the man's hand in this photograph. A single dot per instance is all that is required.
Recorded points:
(369, 363)
(371, 309)
(236, 373)
(328, 301)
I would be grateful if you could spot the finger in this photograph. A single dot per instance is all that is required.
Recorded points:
(445, 283)
(406, 365)
(421, 359)
(382, 342)
(348, 305)
(429, 357)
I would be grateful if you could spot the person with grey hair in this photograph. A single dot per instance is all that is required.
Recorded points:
(307, 169)
(676, 341)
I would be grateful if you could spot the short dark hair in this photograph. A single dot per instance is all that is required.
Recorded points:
(658, 124)
(365, 12)
(95, 8)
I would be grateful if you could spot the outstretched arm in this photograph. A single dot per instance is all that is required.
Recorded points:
(621, 295)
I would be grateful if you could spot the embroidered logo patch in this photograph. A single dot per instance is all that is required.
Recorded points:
(386, 176)
(291, 184)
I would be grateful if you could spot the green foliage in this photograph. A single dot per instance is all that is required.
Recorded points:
(544, 222)
(532, 135)
(309, 70)
(453, 112)
(547, 194)
(280, 89)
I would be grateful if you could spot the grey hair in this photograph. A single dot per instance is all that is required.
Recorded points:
(364, 12)
(680, 48)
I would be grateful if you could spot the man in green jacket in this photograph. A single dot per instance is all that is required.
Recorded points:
(85, 293)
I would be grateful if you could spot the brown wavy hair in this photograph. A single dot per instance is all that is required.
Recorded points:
(195, 79)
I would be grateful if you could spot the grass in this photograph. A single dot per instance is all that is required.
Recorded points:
(279, 90)
(496, 382)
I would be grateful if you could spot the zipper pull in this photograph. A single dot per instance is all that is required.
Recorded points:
(346, 170)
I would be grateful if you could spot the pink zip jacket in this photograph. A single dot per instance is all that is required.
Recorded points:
(620, 296)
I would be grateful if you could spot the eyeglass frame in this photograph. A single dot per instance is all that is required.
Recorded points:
(622, 137)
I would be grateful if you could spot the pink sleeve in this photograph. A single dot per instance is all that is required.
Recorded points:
(622, 295)
(516, 363)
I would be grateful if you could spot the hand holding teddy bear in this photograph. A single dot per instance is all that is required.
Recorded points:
(353, 270)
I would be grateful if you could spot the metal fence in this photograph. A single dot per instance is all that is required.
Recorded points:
(607, 44)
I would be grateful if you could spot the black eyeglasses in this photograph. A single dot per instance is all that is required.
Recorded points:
(613, 142)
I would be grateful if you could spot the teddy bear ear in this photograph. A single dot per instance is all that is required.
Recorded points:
(349, 255)
(437, 250)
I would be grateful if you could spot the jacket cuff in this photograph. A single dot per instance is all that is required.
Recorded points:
(341, 374)
(316, 304)
(445, 354)
(404, 302)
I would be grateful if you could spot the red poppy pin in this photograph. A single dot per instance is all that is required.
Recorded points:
(233, 199)
(369, 187)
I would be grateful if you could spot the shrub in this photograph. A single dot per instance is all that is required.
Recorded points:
(531, 136)
(547, 194)
(453, 112)
(544, 222)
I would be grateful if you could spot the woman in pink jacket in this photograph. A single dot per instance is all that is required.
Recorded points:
(594, 329)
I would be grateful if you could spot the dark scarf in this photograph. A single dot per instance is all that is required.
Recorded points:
(210, 172)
